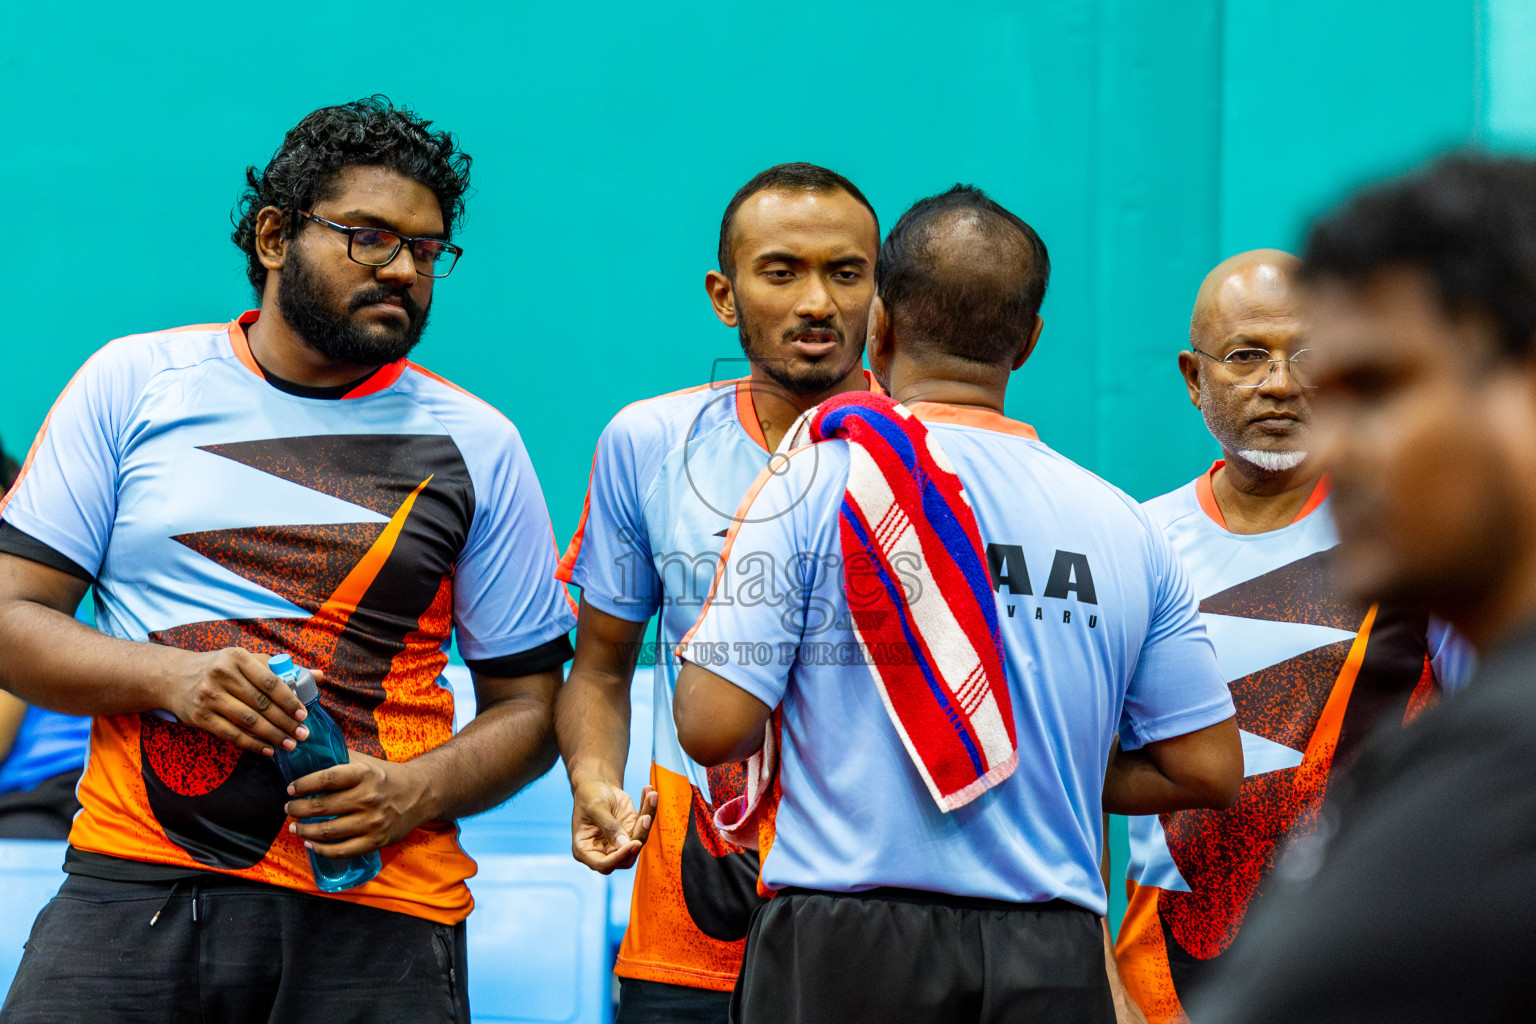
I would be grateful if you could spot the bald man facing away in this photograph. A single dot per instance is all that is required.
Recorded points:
(1311, 672)
(887, 907)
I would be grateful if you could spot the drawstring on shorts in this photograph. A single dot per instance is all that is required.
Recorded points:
(175, 888)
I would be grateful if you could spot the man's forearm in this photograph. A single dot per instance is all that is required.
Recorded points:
(51, 660)
(1203, 768)
(592, 723)
(1134, 785)
(508, 745)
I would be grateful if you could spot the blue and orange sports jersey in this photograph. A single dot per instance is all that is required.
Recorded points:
(1100, 636)
(1311, 674)
(212, 509)
(667, 478)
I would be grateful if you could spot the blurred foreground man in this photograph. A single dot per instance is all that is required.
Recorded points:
(287, 482)
(900, 898)
(796, 277)
(1415, 901)
(1312, 672)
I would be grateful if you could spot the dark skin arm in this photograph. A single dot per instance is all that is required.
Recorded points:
(592, 723)
(717, 721)
(12, 711)
(49, 659)
(509, 744)
(1203, 768)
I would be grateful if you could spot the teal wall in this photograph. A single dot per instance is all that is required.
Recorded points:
(1145, 140)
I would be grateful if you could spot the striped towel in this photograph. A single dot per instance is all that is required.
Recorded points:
(949, 698)
(935, 655)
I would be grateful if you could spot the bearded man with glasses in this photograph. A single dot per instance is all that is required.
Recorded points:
(285, 483)
(1311, 672)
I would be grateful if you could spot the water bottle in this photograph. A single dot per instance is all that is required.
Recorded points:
(324, 747)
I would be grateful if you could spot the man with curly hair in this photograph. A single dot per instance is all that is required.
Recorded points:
(285, 483)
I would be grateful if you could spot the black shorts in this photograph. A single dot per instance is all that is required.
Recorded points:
(900, 955)
(232, 951)
(656, 1002)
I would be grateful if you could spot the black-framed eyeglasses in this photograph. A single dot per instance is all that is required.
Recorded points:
(376, 247)
(1253, 366)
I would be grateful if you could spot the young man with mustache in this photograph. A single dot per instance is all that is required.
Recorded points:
(796, 277)
(287, 482)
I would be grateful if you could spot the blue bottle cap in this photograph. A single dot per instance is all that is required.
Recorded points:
(282, 665)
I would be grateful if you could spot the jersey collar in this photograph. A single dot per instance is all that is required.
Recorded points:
(377, 381)
(1205, 491)
(983, 419)
(746, 411)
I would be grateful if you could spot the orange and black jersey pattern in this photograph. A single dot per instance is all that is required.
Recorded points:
(1311, 675)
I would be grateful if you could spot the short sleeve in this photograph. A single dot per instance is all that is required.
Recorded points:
(61, 510)
(609, 558)
(506, 600)
(1451, 657)
(1177, 687)
(749, 634)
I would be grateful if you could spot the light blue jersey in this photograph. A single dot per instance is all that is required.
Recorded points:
(1101, 635)
(668, 474)
(667, 479)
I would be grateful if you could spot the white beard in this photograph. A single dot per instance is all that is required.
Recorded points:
(1272, 462)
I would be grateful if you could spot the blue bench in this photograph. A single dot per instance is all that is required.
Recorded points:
(533, 831)
(31, 871)
(538, 942)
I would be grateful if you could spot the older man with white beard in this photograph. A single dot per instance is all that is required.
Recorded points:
(1311, 672)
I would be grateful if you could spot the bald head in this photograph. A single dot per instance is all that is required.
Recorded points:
(962, 277)
(1255, 285)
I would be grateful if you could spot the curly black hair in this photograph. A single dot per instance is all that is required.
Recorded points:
(1466, 220)
(370, 132)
